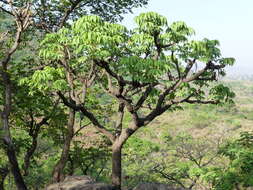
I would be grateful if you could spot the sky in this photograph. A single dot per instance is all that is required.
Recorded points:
(229, 21)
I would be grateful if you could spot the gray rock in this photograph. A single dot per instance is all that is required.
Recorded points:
(78, 178)
(79, 183)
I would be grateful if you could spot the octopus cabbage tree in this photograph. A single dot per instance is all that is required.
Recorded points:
(121, 80)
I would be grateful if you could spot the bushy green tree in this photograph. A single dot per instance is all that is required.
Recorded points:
(238, 173)
(184, 159)
(105, 71)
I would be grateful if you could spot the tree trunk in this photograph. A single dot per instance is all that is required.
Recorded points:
(31, 149)
(59, 167)
(10, 150)
(5, 132)
(33, 133)
(3, 174)
(116, 165)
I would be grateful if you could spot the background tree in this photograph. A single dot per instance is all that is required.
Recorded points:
(29, 113)
(138, 158)
(237, 174)
(51, 15)
(90, 158)
(12, 43)
(185, 158)
(144, 72)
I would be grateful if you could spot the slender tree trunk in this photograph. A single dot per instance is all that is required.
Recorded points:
(59, 167)
(18, 178)
(116, 165)
(5, 132)
(34, 133)
(3, 174)
(31, 150)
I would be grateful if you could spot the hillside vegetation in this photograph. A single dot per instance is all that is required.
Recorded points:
(197, 132)
(159, 153)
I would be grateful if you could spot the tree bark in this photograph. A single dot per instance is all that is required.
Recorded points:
(59, 167)
(116, 165)
(10, 150)
(5, 131)
(31, 149)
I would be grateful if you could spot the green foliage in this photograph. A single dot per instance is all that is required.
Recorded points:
(206, 50)
(184, 159)
(92, 161)
(53, 10)
(222, 93)
(140, 69)
(45, 80)
(132, 54)
(137, 160)
(89, 37)
(140, 146)
(239, 170)
(151, 22)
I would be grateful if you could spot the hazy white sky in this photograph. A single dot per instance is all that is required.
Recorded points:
(229, 21)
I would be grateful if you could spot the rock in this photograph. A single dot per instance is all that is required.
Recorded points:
(88, 179)
(79, 183)
(155, 186)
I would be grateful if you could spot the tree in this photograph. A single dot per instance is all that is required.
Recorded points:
(22, 19)
(238, 173)
(57, 172)
(112, 74)
(51, 15)
(54, 14)
(184, 160)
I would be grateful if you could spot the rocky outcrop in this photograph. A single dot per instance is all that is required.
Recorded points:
(155, 186)
(87, 183)
(79, 183)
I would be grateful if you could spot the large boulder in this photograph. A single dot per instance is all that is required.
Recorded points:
(79, 183)
(155, 186)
